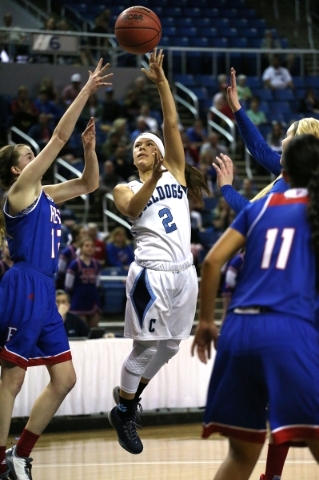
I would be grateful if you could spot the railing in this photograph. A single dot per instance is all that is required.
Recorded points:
(194, 107)
(107, 213)
(25, 137)
(55, 48)
(230, 136)
(59, 178)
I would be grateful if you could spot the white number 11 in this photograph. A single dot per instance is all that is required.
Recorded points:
(271, 236)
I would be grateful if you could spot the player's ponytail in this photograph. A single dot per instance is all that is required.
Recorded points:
(196, 184)
(301, 162)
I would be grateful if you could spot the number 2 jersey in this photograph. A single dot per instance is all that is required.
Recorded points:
(163, 229)
(279, 270)
(34, 234)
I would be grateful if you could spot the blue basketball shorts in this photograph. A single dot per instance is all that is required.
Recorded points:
(266, 370)
(31, 329)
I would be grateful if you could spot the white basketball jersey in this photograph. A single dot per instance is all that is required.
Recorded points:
(163, 230)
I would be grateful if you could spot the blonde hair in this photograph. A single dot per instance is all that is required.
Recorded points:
(301, 127)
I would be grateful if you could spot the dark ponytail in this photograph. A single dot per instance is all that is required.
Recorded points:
(196, 184)
(301, 162)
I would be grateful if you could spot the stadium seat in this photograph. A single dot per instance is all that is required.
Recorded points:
(186, 79)
(264, 94)
(284, 95)
(187, 31)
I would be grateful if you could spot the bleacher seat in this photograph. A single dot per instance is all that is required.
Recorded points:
(210, 32)
(186, 79)
(201, 42)
(187, 31)
(238, 42)
(185, 22)
(284, 95)
(254, 82)
(168, 21)
(312, 82)
(264, 94)
(113, 292)
(208, 237)
(180, 42)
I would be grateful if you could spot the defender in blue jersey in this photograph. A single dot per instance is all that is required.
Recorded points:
(268, 346)
(31, 329)
(271, 161)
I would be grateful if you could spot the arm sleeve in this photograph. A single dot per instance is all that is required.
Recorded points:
(69, 280)
(256, 144)
(233, 198)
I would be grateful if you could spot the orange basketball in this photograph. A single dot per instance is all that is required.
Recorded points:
(138, 30)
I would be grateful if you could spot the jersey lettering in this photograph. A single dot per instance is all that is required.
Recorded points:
(167, 221)
(287, 239)
(168, 191)
(11, 331)
(151, 328)
(55, 215)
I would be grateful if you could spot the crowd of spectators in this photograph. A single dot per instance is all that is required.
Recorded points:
(85, 251)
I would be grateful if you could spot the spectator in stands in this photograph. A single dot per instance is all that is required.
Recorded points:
(213, 145)
(111, 143)
(131, 107)
(248, 190)
(74, 325)
(229, 275)
(47, 106)
(223, 215)
(108, 180)
(150, 120)
(99, 245)
(276, 136)
(119, 249)
(108, 110)
(82, 282)
(120, 126)
(271, 42)
(310, 102)
(123, 165)
(256, 116)
(5, 259)
(14, 41)
(244, 92)
(18, 102)
(276, 76)
(69, 253)
(25, 116)
(90, 110)
(70, 92)
(141, 127)
(41, 131)
(98, 45)
(222, 86)
(47, 83)
(190, 151)
(268, 42)
(144, 94)
(197, 133)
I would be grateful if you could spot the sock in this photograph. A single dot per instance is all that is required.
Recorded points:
(3, 463)
(126, 408)
(26, 443)
(139, 390)
(276, 457)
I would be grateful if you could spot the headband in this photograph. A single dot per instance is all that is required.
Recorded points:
(158, 142)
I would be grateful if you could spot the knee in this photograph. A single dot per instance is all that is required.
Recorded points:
(12, 379)
(140, 357)
(168, 349)
(63, 385)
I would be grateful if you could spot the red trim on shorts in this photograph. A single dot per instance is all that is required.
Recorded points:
(295, 435)
(23, 363)
(254, 436)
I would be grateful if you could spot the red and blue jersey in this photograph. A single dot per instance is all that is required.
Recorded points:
(279, 269)
(34, 234)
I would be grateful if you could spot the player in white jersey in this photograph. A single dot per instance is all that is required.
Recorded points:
(162, 281)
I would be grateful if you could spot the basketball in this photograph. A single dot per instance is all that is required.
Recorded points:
(138, 30)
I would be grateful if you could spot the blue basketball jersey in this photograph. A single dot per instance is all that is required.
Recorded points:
(34, 234)
(279, 269)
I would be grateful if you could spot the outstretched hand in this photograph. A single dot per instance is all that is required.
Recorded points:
(224, 169)
(155, 72)
(232, 95)
(88, 136)
(98, 78)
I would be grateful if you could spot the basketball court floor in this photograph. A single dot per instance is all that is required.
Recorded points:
(171, 452)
